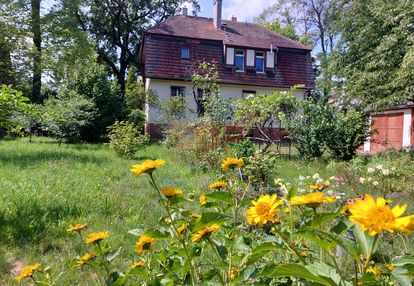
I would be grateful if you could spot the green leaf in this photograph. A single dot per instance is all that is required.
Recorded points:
(292, 192)
(325, 270)
(157, 234)
(400, 274)
(313, 237)
(136, 232)
(261, 250)
(403, 260)
(322, 218)
(365, 241)
(294, 270)
(178, 199)
(340, 227)
(220, 196)
(111, 256)
(221, 249)
(345, 243)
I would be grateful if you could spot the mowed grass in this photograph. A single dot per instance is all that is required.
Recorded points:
(45, 187)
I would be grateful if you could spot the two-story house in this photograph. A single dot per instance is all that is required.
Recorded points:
(250, 59)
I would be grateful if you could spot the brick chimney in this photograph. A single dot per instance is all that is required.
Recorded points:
(217, 13)
(184, 11)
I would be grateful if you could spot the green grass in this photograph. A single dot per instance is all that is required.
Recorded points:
(46, 186)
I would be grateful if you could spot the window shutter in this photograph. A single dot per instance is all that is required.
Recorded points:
(230, 56)
(250, 58)
(270, 60)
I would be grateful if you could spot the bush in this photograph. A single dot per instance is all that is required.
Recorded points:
(125, 139)
(11, 102)
(349, 130)
(94, 83)
(67, 115)
(137, 117)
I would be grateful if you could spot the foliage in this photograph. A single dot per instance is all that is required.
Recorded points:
(137, 117)
(243, 149)
(348, 131)
(265, 112)
(11, 102)
(375, 50)
(126, 139)
(68, 114)
(135, 93)
(93, 83)
(172, 109)
(29, 120)
(211, 105)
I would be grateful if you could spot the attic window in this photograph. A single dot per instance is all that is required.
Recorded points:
(260, 62)
(185, 53)
(239, 60)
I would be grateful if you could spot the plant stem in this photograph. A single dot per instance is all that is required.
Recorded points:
(103, 260)
(218, 255)
(290, 246)
(367, 263)
(194, 278)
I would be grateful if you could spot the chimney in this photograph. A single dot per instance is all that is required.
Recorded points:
(234, 19)
(184, 11)
(217, 13)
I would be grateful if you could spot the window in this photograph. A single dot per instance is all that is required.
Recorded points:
(239, 60)
(185, 53)
(247, 93)
(201, 93)
(177, 91)
(260, 62)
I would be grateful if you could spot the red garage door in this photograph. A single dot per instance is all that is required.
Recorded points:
(389, 131)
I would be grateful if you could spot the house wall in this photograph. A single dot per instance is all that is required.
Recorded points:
(162, 88)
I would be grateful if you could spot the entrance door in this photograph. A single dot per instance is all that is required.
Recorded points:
(389, 131)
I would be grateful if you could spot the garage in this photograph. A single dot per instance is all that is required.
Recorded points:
(392, 128)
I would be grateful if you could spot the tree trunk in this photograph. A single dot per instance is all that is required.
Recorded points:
(37, 51)
(6, 68)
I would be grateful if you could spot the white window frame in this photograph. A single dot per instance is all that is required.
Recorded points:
(236, 55)
(262, 57)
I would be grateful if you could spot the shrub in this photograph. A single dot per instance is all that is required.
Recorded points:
(11, 102)
(93, 82)
(125, 139)
(137, 117)
(349, 130)
(67, 114)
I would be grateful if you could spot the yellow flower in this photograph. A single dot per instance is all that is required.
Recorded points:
(218, 185)
(85, 258)
(195, 216)
(203, 200)
(182, 228)
(234, 273)
(376, 216)
(170, 192)
(389, 266)
(137, 264)
(304, 254)
(231, 163)
(203, 232)
(311, 199)
(148, 166)
(77, 228)
(318, 186)
(28, 271)
(96, 237)
(287, 210)
(376, 271)
(263, 210)
(144, 243)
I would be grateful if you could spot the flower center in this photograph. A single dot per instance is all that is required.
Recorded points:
(380, 216)
(262, 208)
(146, 246)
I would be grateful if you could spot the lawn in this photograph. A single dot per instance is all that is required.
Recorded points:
(46, 186)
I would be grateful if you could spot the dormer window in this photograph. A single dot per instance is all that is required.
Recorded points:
(185, 53)
(239, 61)
(260, 62)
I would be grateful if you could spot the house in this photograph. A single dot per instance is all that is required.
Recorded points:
(250, 59)
(393, 128)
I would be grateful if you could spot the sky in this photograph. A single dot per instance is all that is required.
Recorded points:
(244, 10)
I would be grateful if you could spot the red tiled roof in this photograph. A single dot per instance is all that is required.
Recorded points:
(232, 33)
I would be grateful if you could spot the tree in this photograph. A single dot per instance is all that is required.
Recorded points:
(374, 56)
(135, 93)
(37, 51)
(116, 27)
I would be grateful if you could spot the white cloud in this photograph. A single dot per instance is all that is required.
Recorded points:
(245, 10)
